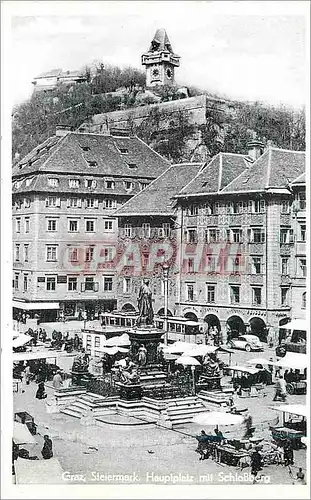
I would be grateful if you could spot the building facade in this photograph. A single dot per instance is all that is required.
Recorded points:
(64, 232)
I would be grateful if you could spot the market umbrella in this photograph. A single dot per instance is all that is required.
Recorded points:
(20, 340)
(259, 361)
(123, 341)
(217, 418)
(22, 435)
(179, 347)
(187, 361)
(295, 324)
(199, 350)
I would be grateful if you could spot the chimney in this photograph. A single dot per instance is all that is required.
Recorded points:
(62, 130)
(255, 149)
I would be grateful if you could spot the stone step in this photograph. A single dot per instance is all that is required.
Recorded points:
(178, 413)
(71, 412)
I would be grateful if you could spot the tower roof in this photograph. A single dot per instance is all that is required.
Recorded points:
(160, 42)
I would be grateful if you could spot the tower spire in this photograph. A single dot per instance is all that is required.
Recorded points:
(160, 61)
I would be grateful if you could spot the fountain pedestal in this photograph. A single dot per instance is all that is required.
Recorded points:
(150, 338)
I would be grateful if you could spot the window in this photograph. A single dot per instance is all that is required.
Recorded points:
(286, 235)
(97, 341)
(302, 201)
(258, 206)
(257, 296)
(128, 230)
(29, 181)
(91, 203)
(193, 210)
(211, 263)
(146, 229)
(304, 300)
(285, 206)
(127, 285)
(191, 265)
(128, 185)
(284, 296)
(25, 282)
(50, 283)
(190, 291)
(210, 293)
(108, 225)
(110, 204)
(16, 284)
(303, 267)
(109, 184)
(90, 183)
(236, 262)
(89, 254)
(256, 235)
(212, 235)
(27, 225)
(212, 208)
(17, 252)
(73, 254)
(234, 235)
(166, 227)
(108, 253)
(256, 265)
(73, 226)
(88, 342)
(284, 266)
(52, 225)
(92, 163)
(18, 225)
(90, 226)
(302, 232)
(72, 284)
(74, 203)
(52, 201)
(18, 204)
(191, 236)
(26, 253)
(89, 283)
(132, 165)
(143, 185)
(74, 183)
(107, 283)
(27, 202)
(123, 151)
(53, 182)
(51, 253)
(234, 294)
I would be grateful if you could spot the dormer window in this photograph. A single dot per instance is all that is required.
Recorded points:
(109, 184)
(29, 181)
(123, 151)
(132, 165)
(128, 185)
(85, 148)
(89, 183)
(74, 183)
(143, 185)
(92, 163)
(53, 182)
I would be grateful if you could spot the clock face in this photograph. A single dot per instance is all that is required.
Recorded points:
(169, 73)
(155, 72)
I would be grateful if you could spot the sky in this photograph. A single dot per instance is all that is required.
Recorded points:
(244, 50)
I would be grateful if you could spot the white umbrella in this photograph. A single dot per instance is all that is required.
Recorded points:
(122, 362)
(179, 347)
(199, 350)
(187, 361)
(22, 435)
(21, 340)
(217, 418)
(296, 324)
(123, 341)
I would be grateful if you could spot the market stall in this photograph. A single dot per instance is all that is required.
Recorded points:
(294, 424)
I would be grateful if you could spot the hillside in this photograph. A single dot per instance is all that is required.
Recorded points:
(114, 89)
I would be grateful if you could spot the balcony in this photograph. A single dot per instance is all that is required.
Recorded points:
(256, 279)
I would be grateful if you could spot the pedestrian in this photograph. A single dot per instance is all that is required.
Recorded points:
(288, 453)
(203, 445)
(256, 463)
(280, 389)
(47, 450)
(300, 477)
(248, 422)
(41, 394)
(28, 374)
(57, 380)
(270, 367)
(277, 370)
(76, 342)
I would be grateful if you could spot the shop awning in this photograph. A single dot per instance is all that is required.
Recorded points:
(296, 324)
(28, 356)
(31, 306)
(38, 471)
(293, 360)
(21, 434)
(243, 369)
(300, 410)
(21, 340)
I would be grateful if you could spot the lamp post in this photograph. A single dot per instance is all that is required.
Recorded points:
(165, 276)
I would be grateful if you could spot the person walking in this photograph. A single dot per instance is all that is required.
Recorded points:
(57, 380)
(256, 464)
(47, 450)
(280, 389)
(41, 394)
(28, 374)
(288, 453)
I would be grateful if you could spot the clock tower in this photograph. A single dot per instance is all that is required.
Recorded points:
(160, 61)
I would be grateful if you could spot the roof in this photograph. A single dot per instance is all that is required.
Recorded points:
(160, 41)
(50, 74)
(228, 173)
(221, 170)
(71, 154)
(157, 198)
(301, 179)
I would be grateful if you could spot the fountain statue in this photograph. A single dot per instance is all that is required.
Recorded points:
(144, 301)
(210, 377)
